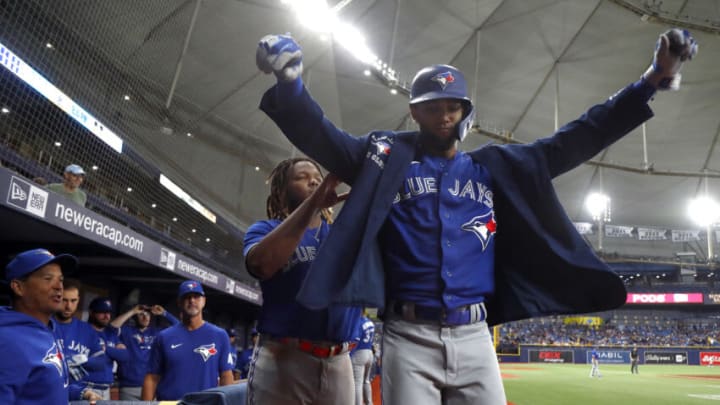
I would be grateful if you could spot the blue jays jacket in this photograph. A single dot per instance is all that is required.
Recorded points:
(32, 370)
(542, 265)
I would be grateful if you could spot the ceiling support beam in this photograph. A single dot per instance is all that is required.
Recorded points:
(181, 58)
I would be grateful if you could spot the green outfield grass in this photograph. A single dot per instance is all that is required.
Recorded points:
(569, 384)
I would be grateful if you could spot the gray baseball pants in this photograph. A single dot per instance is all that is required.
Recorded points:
(362, 362)
(427, 364)
(283, 375)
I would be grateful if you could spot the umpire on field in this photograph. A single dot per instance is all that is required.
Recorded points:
(450, 242)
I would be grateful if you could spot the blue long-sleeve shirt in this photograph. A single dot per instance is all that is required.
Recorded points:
(33, 371)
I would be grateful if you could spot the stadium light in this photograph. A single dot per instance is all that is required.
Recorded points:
(704, 211)
(598, 205)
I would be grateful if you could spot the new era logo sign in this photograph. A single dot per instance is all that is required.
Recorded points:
(230, 286)
(27, 197)
(17, 193)
(167, 259)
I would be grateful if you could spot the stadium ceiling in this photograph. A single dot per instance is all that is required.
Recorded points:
(527, 62)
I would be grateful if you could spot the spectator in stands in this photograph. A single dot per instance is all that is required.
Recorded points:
(73, 177)
(115, 351)
(82, 347)
(32, 370)
(138, 339)
(191, 356)
(245, 357)
(298, 347)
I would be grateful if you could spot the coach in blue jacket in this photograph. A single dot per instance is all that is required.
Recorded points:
(450, 242)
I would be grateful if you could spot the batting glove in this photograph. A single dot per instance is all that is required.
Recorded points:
(281, 55)
(672, 49)
(77, 371)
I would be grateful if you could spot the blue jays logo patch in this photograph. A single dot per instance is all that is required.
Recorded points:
(379, 150)
(482, 226)
(54, 357)
(443, 79)
(383, 148)
(206, 351)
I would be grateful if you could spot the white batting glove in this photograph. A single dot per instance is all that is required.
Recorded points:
(672, 49)
(281, 55)
(79, 358)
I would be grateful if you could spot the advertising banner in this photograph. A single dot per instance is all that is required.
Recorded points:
(31, 199)
(653, 357)
(660, 298)
(611, 356)
(550, 356)
(709, 358)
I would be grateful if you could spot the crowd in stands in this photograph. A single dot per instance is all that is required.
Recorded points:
(643, 330)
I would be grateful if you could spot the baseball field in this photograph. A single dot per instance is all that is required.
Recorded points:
(569, 384)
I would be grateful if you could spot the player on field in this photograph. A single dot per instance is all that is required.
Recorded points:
(450, 242)
(595, 362)
(634, 360)
(302, 355)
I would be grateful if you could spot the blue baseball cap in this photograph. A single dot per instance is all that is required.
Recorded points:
(101, 304)
(254, 332)
(29, 261)
(232, 332)
(190, 286)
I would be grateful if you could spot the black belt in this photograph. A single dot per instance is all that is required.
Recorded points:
(463, 315)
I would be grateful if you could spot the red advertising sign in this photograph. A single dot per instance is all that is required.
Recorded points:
(709, 358)
(660, 298)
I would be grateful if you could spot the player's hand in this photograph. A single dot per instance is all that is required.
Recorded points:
(157, 310)
(325, 194)
(672, 49)
(281, 55)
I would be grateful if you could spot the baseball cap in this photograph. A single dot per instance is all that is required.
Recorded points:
(190, 286)
(101, 304)
(29, 261)
(254, 332)
(75, 169)
(232, 332)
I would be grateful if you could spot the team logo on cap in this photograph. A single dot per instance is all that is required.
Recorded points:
(54, 357)
(482, 226)
(443, 79)
(206, 351)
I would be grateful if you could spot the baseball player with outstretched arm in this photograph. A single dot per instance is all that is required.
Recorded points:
(302, 356)
(449, 242)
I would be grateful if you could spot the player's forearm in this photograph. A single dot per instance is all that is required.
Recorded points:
(118, 354)
(226, 378)
(149, 387)
(121, 319)
(273, 252)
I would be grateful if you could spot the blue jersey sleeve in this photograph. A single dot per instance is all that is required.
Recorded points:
(156, 356)
(171, 318)
(227, 360)
(256, 232)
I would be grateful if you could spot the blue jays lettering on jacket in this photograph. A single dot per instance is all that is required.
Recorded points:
(542, 265)
(32, 370)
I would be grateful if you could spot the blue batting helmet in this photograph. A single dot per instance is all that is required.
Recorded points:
(443, 81)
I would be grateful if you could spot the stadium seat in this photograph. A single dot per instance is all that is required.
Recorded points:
(225, 395)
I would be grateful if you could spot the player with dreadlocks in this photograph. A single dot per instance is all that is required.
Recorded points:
(299, 349)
